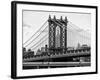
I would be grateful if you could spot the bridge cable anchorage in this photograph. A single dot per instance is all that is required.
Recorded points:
(35, 37)
(39, 41)
(35, 33)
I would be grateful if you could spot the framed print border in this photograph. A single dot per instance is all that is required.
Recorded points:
(14, 38)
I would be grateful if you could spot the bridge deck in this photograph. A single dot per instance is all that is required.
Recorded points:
(82, 54)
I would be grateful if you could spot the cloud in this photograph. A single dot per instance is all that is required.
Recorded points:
(26, 25)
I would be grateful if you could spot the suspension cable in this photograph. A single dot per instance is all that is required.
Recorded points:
(35, 33)
(35, 38)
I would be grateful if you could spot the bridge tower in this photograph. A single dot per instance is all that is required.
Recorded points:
(57, 34)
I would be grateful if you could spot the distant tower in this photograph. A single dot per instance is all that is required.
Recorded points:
(78, 45)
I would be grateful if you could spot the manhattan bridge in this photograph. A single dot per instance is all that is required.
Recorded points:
(53, 45)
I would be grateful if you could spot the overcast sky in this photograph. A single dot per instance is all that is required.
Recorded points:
(33, 20)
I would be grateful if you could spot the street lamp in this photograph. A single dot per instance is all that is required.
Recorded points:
(48, 59)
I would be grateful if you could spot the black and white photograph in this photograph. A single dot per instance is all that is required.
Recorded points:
(56, 39)
(53, 39)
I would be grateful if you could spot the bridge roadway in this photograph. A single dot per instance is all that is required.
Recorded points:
(77, 54)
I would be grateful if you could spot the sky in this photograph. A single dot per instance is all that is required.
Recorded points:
(33, 20)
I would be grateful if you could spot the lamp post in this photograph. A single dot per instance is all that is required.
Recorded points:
(48, 54)
(49, 60)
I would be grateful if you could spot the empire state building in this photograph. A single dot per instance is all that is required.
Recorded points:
(57, 40)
